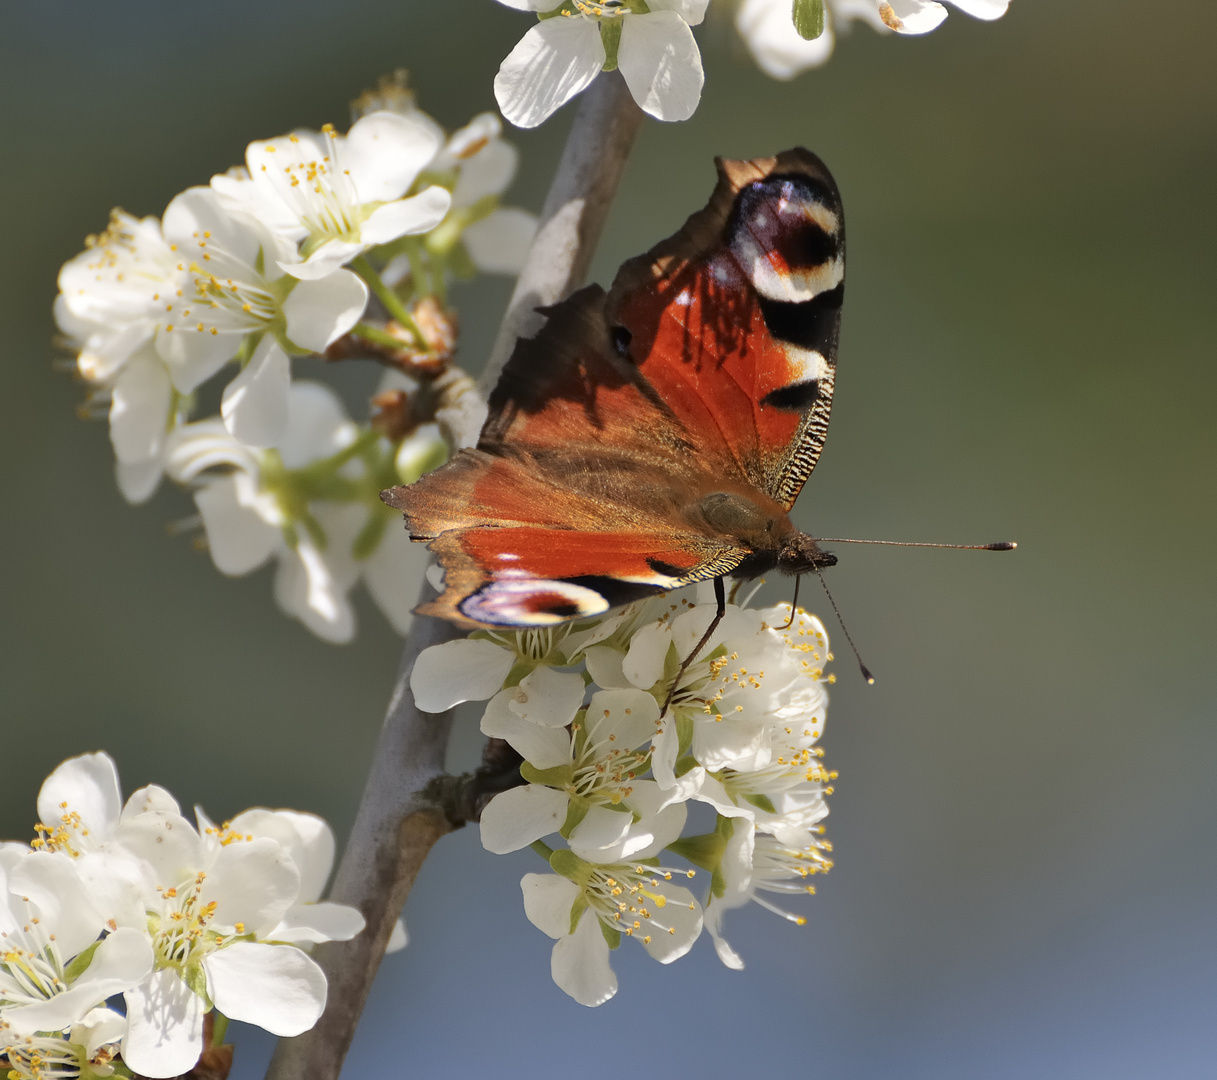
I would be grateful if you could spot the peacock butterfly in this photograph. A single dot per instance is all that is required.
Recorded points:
(657, 434)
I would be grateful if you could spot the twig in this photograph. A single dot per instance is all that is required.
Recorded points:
(400, 816)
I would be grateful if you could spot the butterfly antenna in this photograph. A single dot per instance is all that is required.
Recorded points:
(1003, 545)
(845, 629)
(720, 598)
(793, 604)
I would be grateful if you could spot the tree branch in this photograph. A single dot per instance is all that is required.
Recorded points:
(402, 813)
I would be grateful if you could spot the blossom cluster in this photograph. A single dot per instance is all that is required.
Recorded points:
(321, 244)
(618, 741)
(178, 918)
(651, 43)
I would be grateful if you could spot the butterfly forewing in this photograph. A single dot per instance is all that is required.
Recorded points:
(735, 319)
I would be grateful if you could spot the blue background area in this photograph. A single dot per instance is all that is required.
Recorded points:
(1024, 823)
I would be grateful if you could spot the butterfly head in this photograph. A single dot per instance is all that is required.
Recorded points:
(800, 554)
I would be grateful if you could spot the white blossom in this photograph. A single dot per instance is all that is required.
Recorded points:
(338, 195)
(651, 44)
(250, 515)
(587, 908)
(768, 28)
(88, 1049)
(53, 971)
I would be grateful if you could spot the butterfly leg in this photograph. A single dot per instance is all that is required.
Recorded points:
(720, 597)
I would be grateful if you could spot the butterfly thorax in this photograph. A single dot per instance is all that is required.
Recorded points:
(765, 531)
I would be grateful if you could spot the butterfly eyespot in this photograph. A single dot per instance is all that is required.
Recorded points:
(532, 602)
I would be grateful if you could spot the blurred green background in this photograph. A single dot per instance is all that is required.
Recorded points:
(1024, 822)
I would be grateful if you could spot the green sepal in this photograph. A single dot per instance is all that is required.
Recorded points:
(557, 777)
(761, 802)
(461, 263)
(705, 851)
(565, 863)
(808, 18)
(576, 811)
(612, 936)
(610, 38)
(576, 911)
(195, 979)
(684, 765)
(371, 534)
(80, 963)
(520, 670)
(684, 734)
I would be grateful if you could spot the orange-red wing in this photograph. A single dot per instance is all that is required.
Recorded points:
(734, 320)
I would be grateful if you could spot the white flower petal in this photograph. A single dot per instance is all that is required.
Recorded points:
(513, 819)
(320, 312)
(661, 64)
(983, 9)
(549, 65)
(643, 664)
(307, 839)
(580, 966)
(311, 924)
(88, 786)
(680, 913)
(541, 747)
(50, 882)
(418, 214)
(317, 424)
(499, 243)
(326, 260)
(463, 670)
(599, 836)
(120, 962)
(777, 47)
(252, 883)
(192, 355)
(398, 938)
(275, 987)
(604, 666)
(692, 11)
(622, 719)
(166, 842)
(548, 900)
(385, 151)
(547, 697)
(488, 172)
(164, 1026)
(254, 406)
(914, 16)
(139, 409)
(137, 481)
(238, 537)
(151, 797)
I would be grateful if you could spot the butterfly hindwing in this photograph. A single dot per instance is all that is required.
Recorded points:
(703, 379)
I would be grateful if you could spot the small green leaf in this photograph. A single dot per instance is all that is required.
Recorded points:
(80, 964)
(559, 776)
(685, 764)
(195, 978)
(809, 18)
(610, 36)
(684, 734)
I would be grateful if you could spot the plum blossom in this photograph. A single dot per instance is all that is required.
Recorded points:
(257, 512)
(588, 908)
(768, 29)
(53, 971)
(338, 195)
(88, 1049)
(650, 43)
(585, 783)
